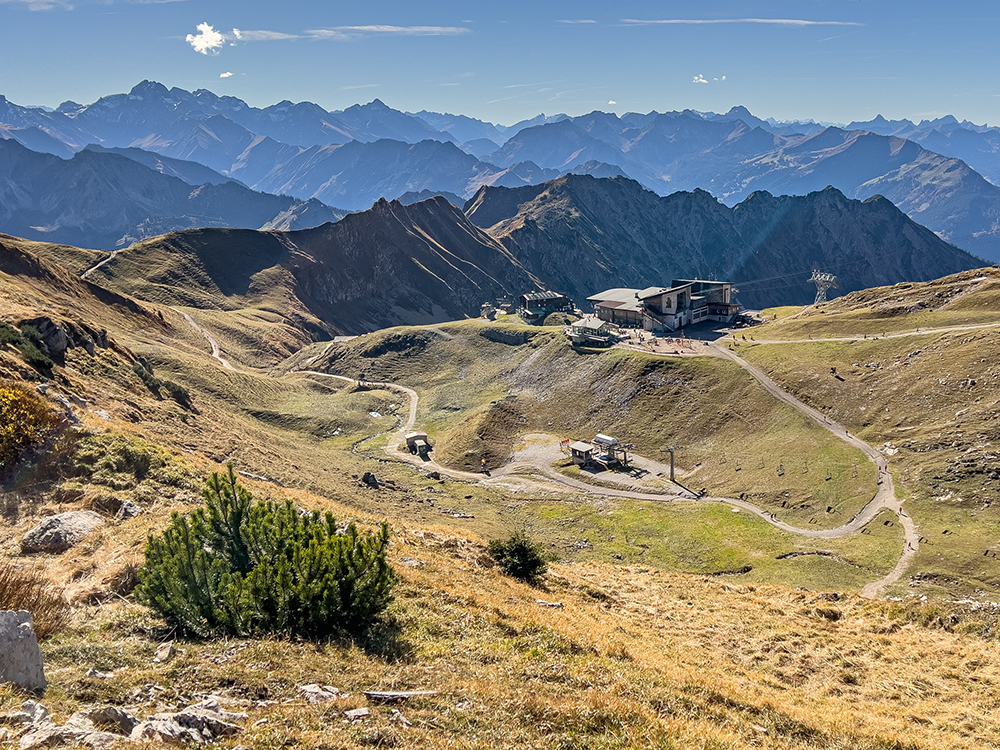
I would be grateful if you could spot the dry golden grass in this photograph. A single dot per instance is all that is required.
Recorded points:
(25, 588)
(634, 657)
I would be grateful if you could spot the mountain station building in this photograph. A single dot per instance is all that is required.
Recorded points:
(535, 307)
(659, 309)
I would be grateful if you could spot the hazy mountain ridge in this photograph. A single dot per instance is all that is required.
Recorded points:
(292, 148)
(107, 200)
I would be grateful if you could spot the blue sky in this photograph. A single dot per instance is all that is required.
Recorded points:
(819, 59)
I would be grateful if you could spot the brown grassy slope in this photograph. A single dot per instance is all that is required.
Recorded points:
(968, 298)
(76, 260)
(31, 282)
(300, 430)
(633, 657)
(934, 397)
(422, 263)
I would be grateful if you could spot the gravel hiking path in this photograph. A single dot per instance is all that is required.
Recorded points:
(863, 337)
(208, 337)
(94, 267)
(537, 452)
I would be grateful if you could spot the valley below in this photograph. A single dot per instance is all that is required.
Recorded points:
(822, 573)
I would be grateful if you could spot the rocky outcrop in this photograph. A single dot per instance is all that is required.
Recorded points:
(203, 722)
(57, 337)
(103, 726)
(60, 532)
(20, 658)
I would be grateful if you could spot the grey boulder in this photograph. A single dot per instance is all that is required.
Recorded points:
(60, 532)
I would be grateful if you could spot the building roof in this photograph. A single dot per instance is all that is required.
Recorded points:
(614, 295)
(681, 282)
(656, 291)
(581, 446)
(542, 296)
(617, 299)
(594, 324)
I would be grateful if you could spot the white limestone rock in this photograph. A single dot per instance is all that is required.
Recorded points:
(20, 657)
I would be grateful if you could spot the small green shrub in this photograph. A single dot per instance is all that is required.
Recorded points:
(519, 557)
(176, 391)
(248, 568)
(28, 341)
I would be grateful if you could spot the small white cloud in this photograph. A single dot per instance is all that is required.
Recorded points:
(227, 74)
(350, 32)
(207, 40)
(579, 20)
(612, 102)
(699, 79)
(41, 4)
(769, 21)
(262, 35)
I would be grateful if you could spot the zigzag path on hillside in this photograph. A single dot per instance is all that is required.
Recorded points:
(884, 498)
(216, 352)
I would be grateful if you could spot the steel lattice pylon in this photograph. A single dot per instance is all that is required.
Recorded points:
(823, 281)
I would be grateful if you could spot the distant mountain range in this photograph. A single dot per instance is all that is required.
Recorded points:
(429, 261)
(939, 172)
(106, 200)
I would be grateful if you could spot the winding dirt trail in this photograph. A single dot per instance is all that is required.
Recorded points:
(94, 267)
(539, 461)
(208, 337)
(863, 337)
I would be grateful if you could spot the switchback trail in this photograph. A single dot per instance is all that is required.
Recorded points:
(208, 337)
(94, 267)
(884, 498)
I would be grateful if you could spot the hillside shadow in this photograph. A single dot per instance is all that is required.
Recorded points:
(385, 640)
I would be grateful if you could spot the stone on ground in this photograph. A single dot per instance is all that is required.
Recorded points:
(60, 532)
(20, 657)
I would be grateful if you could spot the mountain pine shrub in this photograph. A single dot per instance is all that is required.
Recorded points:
(245, 568)
(519, 557)
(28, 341)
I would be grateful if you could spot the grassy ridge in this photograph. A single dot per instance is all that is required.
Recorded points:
(931, 402)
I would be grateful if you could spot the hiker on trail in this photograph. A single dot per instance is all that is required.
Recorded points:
(482, 466)
(833, 371)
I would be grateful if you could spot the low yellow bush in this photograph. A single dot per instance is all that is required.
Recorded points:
(25, 421)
